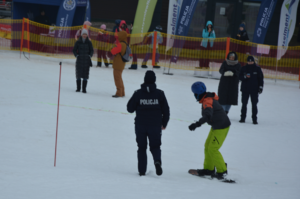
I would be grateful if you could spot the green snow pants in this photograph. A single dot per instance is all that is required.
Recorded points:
(213, 157)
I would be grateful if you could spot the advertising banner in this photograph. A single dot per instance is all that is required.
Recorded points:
(143, 19)
(88, 11)
(287, 25)
(264, 17)
(65, 17)
(174, 11)
(184, 21)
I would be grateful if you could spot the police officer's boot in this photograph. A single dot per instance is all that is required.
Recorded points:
(158, 168)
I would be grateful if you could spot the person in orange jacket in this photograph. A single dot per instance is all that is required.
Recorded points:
(118, 64)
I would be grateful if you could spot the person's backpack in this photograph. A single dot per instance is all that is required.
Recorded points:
(127, 56)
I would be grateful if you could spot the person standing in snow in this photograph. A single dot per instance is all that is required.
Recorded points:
(78, 33)
(229, 83)
(208, 35)
(252, 79)
(214, 115)
(118, 63)
(242, 35)
(102, 39)
(159, 40)
(152, 116)
(83, 51)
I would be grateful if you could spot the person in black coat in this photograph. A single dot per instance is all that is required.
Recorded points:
(83, 51)
(229, 83)
(252, 79)
(42, 18)
(242, 35)
(152, 116)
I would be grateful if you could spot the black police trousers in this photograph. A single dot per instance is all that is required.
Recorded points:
(153, 133)
(254, 101)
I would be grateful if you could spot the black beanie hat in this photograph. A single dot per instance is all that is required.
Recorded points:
(250, 58)
(150, 77)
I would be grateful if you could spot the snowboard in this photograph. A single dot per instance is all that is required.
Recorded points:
(195, 173)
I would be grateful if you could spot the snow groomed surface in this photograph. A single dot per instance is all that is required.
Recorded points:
(96, 140)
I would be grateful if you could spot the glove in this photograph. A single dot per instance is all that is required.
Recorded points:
(193, 126)
(260, 90)
(228, 74)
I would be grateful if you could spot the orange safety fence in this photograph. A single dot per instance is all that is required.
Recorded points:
(204, 56)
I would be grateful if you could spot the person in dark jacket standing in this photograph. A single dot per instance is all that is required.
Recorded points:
(242, 35)
(117, 24)
(152, 116)
(252, 79)
(42, 18)
(83, 51)
(214, 115)
(229, 83)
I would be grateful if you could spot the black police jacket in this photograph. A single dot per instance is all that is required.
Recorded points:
(255, 81)
(150, 105)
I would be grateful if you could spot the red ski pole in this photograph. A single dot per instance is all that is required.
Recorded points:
(57, 115)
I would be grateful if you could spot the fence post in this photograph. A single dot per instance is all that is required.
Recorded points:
(21, 47)
(28, 37)
(154, 49)
(227, 47)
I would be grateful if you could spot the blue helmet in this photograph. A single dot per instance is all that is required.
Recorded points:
(198, 88)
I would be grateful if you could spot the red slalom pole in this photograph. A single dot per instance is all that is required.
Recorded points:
(57, 115)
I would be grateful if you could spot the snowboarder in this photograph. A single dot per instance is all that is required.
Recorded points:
(152, 116)
(229, 83)
(83, 51)
(252, 79)
(214, 115)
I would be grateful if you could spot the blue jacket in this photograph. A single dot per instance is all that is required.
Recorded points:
(150, 105)
(117, 22)
(210, 35)
(255, 81)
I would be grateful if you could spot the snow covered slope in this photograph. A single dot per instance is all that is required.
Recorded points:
(96, 140)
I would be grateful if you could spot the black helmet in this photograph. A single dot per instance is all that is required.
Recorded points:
(158, 28)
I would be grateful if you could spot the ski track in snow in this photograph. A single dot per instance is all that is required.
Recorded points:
(96, 155)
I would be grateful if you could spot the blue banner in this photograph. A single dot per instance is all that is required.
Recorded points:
(264, 17)
(183, 24)
(65, 17)
(88, 11)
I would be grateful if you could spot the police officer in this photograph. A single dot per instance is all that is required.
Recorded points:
(252, 79)
(152, 116)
